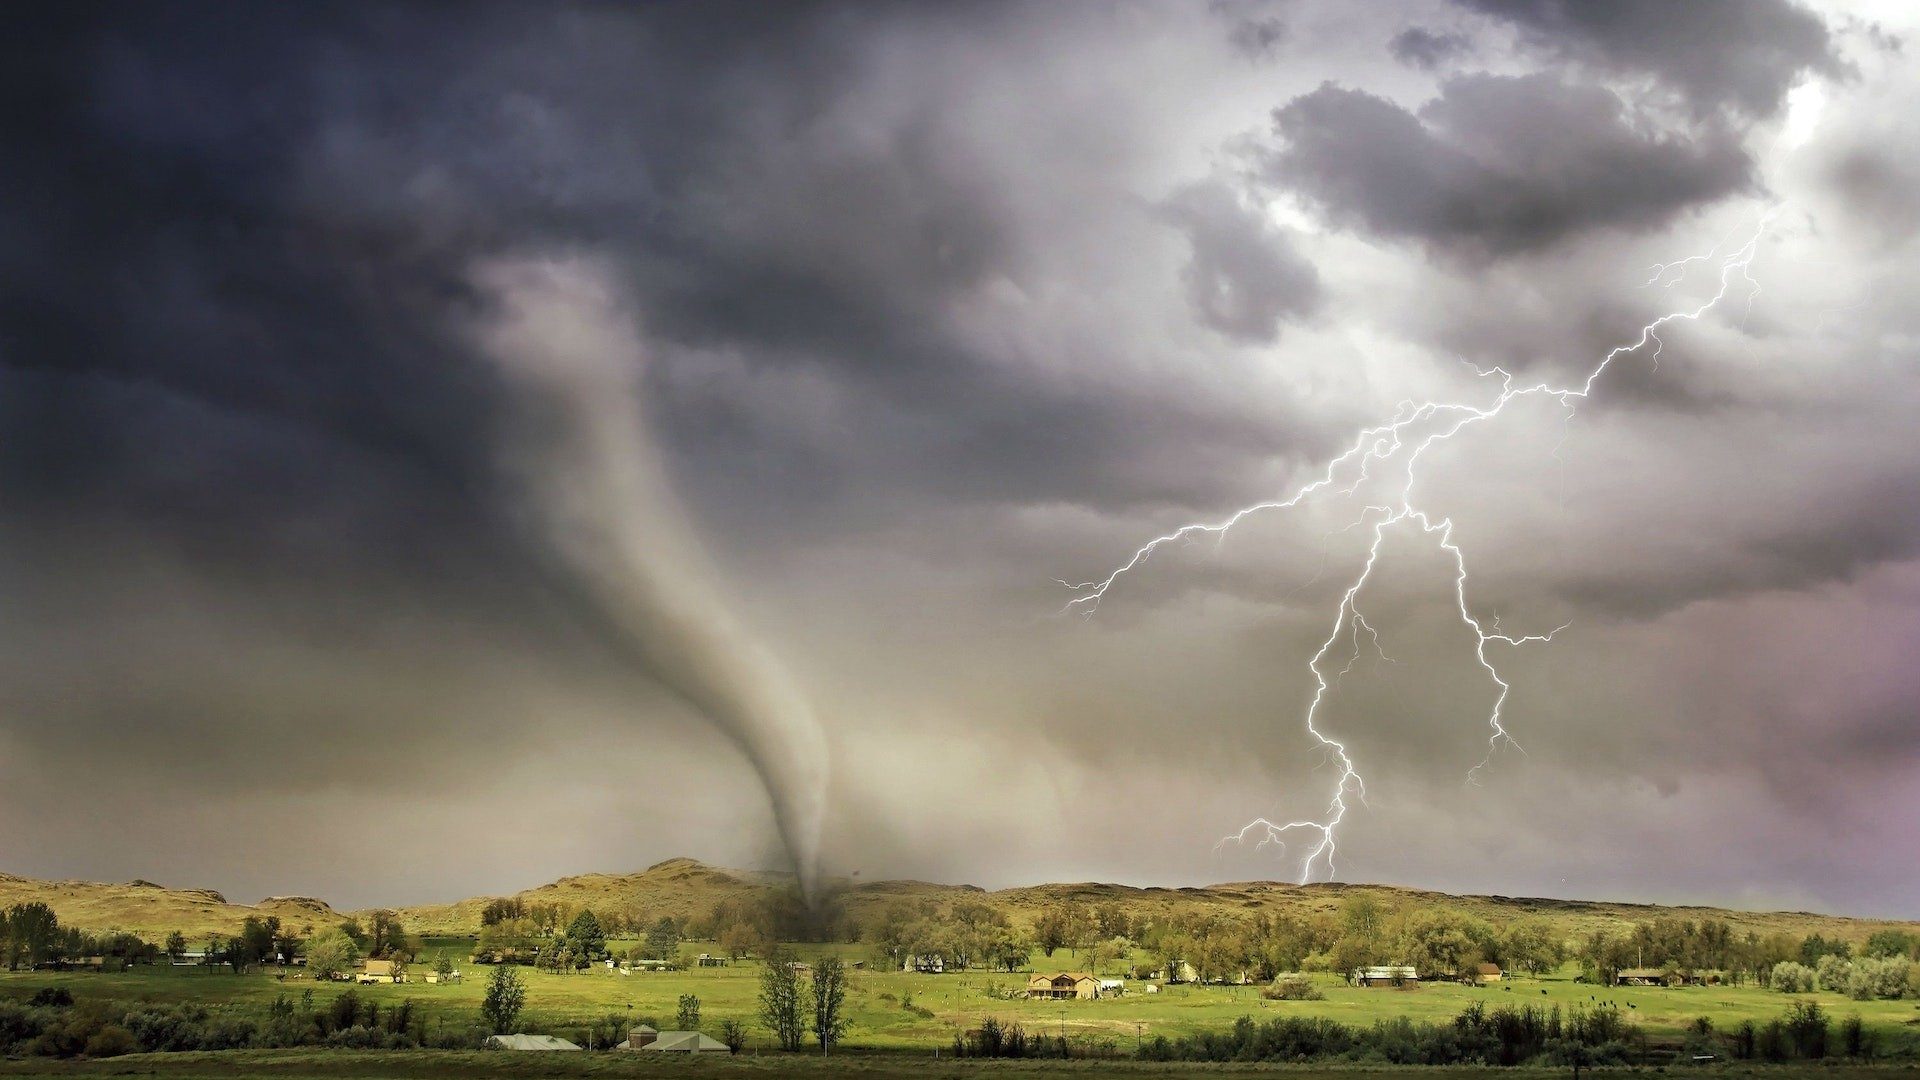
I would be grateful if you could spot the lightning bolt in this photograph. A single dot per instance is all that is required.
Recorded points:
(1398, 446)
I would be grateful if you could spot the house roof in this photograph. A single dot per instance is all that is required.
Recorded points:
(380, 967)
(1488, 969)
(1642, 973)
(684, 1041)
(518, 1041)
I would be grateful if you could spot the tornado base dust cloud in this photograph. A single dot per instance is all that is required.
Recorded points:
(588, 483)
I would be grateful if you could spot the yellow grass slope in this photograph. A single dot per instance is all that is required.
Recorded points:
(153, 911)
(686, 887)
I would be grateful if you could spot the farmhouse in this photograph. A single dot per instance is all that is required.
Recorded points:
(1386, 976)
(518, 1041)
(925, 964)
(1063, 986)
(382, 971)
(1488, 972)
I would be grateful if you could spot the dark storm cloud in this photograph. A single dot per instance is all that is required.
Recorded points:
(1737, 54)
(1427, 49)
(1497, 164)
(936, 303)
(1244, 277)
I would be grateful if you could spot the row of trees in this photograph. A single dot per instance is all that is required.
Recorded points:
(31, 936)
(1863, 979)
(791, 1009)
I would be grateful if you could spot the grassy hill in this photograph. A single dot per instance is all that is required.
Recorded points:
(153, 911)
(685, 887)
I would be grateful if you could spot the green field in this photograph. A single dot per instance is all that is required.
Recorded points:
(881, 1020)
(436, 1064)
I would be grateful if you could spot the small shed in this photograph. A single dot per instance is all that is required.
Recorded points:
(1386, 975)
(638, 1036)
(1488, 972)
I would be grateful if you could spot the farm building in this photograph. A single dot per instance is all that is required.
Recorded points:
(1389, 975)
(685, 1042)
(518, 1041)
(1488, 972)
(1654, 977)
(382, 971)
(709, 960)
(1063, 986)
(927, 964)
(638, 1036)
(1112, 987)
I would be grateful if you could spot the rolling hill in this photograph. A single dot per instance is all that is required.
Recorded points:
(686, 887)
(154, 911)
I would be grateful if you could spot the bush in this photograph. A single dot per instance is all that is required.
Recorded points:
(1855, 1040)
(1292, 988)
(112, 1041)
(1832, 972)
(1807, 1028)
(1790, 977)
(1887, 978)
(51, 997)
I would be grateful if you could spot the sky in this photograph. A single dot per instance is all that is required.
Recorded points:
(444, 448)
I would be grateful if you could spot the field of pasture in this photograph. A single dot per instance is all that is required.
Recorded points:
(904, 1011)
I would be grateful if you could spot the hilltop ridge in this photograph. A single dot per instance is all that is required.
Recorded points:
(683, 887)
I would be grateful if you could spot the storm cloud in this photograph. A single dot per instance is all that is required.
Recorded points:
(1497, 164)
(916, 311)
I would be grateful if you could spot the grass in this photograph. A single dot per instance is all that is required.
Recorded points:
(432, 1065)
(563, 1004)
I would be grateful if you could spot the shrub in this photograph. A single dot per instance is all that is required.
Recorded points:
(1832, 971)
(1855, 1040)
(1791, 977)
(1885, 978)
(51, 997)
(1807, 1028)
(112, 1041)
(1292, 988)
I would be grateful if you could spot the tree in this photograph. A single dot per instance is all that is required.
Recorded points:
(734, 1034)
(176, 945)
(240, 953)
(34, 931)
(1885, 943)
(1529, 945)
(1051, 928)
(331, 953)
(688, 1018)
(829, 1001)
(506, 996)
(443, 965)
(386, 937)
(586, 936)
(780, 999)
(663, 941)
(738, 939)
